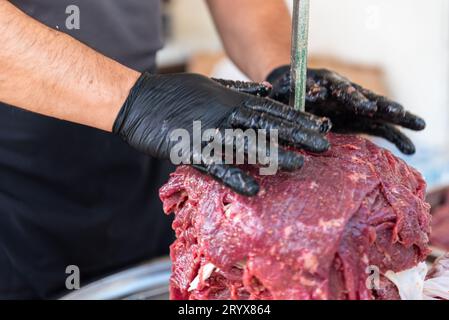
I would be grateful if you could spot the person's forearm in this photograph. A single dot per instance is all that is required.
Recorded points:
(48, 72)
(256, 33)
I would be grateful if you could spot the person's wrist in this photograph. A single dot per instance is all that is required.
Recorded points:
(128, 93)
(260, 71)
(124, 87)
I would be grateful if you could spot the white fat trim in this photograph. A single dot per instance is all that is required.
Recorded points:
(203, 274)
(412, 283)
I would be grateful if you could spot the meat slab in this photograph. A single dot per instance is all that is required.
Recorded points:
(440, 222)
(310, 234)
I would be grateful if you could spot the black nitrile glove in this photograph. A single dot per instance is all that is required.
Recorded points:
(159, 104)
(351, 108)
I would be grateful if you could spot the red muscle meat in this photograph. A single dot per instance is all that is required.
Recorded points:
(440, 223)
(310, 234)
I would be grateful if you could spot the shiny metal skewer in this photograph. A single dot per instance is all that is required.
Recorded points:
(300, 37)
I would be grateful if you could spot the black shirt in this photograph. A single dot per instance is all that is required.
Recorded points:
(72, 195)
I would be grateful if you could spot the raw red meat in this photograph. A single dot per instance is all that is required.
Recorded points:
(440, 222)
(308, 235)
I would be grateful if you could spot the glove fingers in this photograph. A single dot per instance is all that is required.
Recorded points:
(351, 98)
(289, 161)
(288, 132)
(411, 121)
(231, 177)
(253, 150)
(316, 92)
(392, 134)
(253, 88)
(282, 111)
(385, 105)
(392, 111)
(406, 120)
(343, 91)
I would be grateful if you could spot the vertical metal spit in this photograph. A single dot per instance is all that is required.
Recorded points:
(300, 37)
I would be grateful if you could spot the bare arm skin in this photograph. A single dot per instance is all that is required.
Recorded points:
(256, 33)
(48, 72)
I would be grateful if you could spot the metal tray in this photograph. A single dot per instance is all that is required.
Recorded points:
(148, 281)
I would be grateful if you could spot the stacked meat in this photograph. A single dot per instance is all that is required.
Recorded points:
(317, 233)
(440, 221)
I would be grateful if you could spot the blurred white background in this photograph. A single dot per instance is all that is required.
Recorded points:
(407, 39)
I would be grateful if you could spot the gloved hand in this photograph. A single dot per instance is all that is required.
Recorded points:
(159, 104)
(351, 108)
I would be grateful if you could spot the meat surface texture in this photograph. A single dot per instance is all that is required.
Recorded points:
(309, 234)
(440, 223)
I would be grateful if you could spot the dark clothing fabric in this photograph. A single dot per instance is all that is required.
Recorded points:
(72, 195)
(127, 31)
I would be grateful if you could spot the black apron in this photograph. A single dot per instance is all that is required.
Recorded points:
(72, 195)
